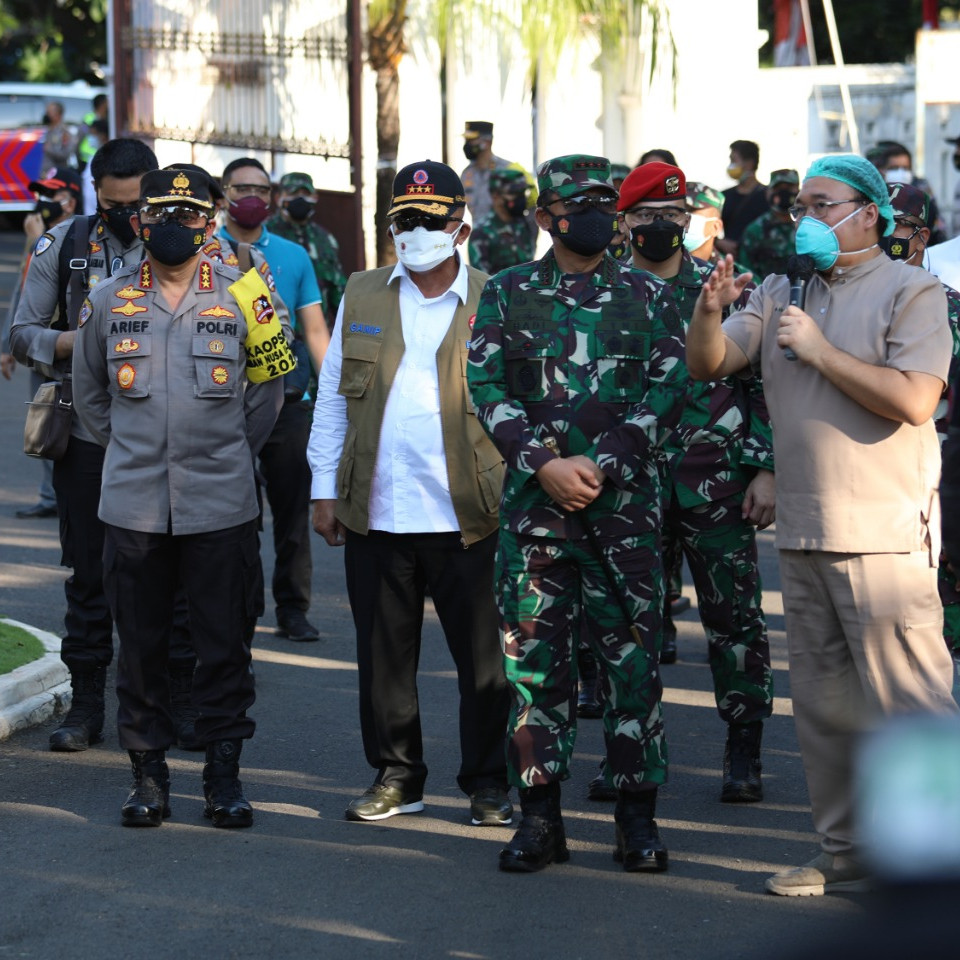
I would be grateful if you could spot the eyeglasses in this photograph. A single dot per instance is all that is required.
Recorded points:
(405, 222)
(649, 214)
(184, 215)
(582, 203)
(250, 190)
(818, 209)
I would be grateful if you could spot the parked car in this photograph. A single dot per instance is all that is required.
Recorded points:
(22, 106)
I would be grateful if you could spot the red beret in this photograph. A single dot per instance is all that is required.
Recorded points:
(653, 181)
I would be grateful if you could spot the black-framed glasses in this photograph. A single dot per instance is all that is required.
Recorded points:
(183, 214)
(405, 222)
(818, 209)
(645, 215)
(583, 203)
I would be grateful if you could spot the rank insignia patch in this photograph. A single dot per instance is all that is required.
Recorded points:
(126, 345)
(129, 309)
(42, 244)
(206, 276)
(95, 247)
(216, 346)
(125, 377)
(263, 309)
(220, 375)
(218, 312)
(146, 280)
(85, 312)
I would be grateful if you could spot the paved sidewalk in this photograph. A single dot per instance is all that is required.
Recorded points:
(33, 693)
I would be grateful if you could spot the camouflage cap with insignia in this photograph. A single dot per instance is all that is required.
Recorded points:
(910, 203)
(786, 175)
(193, 187)
(429, 187)
(291, 182)
(507, 178)
(571, 175)
(700, 195)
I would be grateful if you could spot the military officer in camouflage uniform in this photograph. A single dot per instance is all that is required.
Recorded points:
(704, 204)
(575, 370)
(178, 374)
(508, 234)
(767, 243)
(42, 337)
(294, 221)
(718, 484)
(914, 220)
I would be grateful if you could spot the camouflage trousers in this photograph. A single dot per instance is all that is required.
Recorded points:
(950, 598)
(542, 585)
(721, 552)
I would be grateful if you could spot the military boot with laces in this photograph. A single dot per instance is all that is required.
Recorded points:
(540, 838)
(149, 800)
(741, 764)
(83, 725)
(224, 802)
(639, 847)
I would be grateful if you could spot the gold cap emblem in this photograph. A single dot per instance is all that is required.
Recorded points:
(181, 182)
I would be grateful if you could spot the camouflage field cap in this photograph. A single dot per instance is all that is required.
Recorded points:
(700, 195)
(572, 175)
(910, 203)
(786, 175)
(509, 178)
(291, 182)
(619, 171)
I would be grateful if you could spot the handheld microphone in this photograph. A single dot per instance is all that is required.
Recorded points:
(800, 269)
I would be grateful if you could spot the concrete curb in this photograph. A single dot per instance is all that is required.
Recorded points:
(31, 694)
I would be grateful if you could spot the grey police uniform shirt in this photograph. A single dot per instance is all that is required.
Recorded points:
(32, 340)
(166, 392)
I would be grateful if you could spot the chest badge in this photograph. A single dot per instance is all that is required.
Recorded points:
(216, 346)
(218, 312)
(220, 375)
(129, 293)
(126, 345)
(125, 376)
(129, 309)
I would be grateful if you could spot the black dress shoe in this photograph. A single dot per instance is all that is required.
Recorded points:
(37, 512)
(295, 626)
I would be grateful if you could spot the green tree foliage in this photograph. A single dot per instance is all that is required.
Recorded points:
(52, 40)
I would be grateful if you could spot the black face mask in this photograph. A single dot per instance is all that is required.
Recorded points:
(657, 241)
(50, 210)
(782, 200)
(117, 220)
(515, 205)
(584, 233)
(896, 248)
(299, 208)
(471, 149)
(172, 243)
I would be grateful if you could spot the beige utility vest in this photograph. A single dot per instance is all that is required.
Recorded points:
(372, 337)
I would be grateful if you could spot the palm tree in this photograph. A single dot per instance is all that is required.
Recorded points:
(633, 35)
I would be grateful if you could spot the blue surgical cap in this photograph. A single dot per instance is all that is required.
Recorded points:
(862, 175)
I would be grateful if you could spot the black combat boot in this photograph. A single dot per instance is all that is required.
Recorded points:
(83, 725)
(639, 847)
(224, 803)
(741, 764)
(540, 838)
(149, 800)
(668, 642)
(181, 704)
(589, 700)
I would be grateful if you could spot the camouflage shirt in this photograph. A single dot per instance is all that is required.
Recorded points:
(496, 244)
(595, 362)
(724, 433)
(765, 246)
(324, 253)
(953, 315)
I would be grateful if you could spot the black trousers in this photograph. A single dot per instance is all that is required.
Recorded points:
(387, 574)
(283, 464)
(222, 579)
(88, 637)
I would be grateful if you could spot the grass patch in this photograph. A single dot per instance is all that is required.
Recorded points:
(18, 647)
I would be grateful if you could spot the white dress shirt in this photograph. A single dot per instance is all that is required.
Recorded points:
(410, 492)
(944, 261)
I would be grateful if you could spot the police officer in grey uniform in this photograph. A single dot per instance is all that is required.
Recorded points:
(178, 374)
(40, 338)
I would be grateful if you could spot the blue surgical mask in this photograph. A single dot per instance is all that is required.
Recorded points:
(817, 240)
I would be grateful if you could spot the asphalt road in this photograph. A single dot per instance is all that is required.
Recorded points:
(303, 882)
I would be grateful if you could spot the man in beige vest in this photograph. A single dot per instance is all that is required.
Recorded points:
(405, 477)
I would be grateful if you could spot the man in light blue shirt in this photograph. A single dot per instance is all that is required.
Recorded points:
(283, 459)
